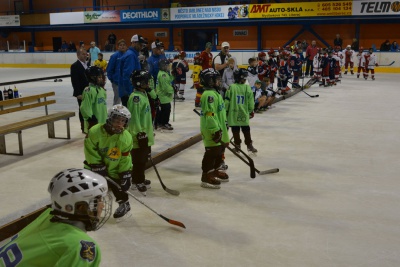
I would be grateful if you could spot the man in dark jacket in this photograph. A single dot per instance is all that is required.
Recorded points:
(78, 79)
(338, 41)
(385, 46)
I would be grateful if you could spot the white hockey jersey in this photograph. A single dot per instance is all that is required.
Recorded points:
(359, 57)
(348, 55)
(369, 60)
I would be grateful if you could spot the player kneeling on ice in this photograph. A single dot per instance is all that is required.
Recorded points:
(94, 98)
(140, 127)
(79, 203)
(239, 104)
(107, 150)
(213, 129)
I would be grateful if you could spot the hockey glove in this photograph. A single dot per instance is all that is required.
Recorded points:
(252, 115)
(376, 64)
(217, 136)
(157, 103)
(92, 121)
(99, 169)
(126, 180)
(143, 140)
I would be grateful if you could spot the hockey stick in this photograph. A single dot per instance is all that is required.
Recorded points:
(177, 223)
(171, 191)
(250, 161)
(383, 65)
(302, 89)
(173, 112)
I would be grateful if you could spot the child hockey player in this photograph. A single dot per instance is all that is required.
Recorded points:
(360, 56)
(179, 69)
(100, 62)
(165, 93)
(325, 69)
(338, 56)
(283, 73)
(262, 66)
(94, 99)
(260, 97)
(272, 66)
(239, 104)
(348, 59)
(196, 80)
(296, 64)
(213, 130)
(370, 62)
(107, 152)
(140, 127)
(252, 71)
(79, 203)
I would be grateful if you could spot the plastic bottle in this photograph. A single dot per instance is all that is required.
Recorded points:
(16, 95)
(1, 96)
(10, 93)
(5, 94)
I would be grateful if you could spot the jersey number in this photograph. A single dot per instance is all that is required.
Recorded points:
(240, 99)
(12, 255)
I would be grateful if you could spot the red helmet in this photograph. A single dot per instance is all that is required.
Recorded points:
(261, 55)
(287, 47)
(182, 54)
(196, 60)
(271, 52)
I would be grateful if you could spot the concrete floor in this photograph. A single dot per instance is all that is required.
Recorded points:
(333, 203)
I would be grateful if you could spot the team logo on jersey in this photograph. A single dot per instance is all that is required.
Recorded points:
(136, 99)
(88, 251)
(210, 99)
(114, 153)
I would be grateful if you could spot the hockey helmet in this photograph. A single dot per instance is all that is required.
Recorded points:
(182, 54)
(361, 48)
(197, 60)
(163, 64)
(118, 112)
(348, 47)
(210, 78)
(140, 78)
(93, 73)
(261, 55)
(76, 194)
(271, 52)
(239, 75)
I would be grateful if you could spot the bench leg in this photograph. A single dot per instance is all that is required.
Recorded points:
(50, 129)
(21, 151)
(68, 129)
(3, 145)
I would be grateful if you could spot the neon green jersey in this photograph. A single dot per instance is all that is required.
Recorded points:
(139, 106)
(94, 104)
(164, 89)
(213, 117)
(45, 243)
(239, 103)
(101, 147)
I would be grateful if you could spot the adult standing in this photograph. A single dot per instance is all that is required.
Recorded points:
(311, 52)
(206, 57)
(220, 61)
(111, 40)
(94, 52)
(78, 80)
(113, 69)
(154, 59)
(127, 64)
(338, 41)
(355, 44)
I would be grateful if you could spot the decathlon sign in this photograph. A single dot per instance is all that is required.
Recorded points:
(140, 15)
(362, 8)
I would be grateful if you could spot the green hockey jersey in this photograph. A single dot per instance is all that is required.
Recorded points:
(112, 150)
(213, 117)
(164, 89)
(94, 105)
(139, 106)
(239, 103)
(45, 243)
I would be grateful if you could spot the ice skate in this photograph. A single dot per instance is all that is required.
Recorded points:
(167, 128)
(122, 212)
(208, 181)
(352, 72)
(252, 151)
(223, 167)
(142, 188)
(345, 72)
(237, 148)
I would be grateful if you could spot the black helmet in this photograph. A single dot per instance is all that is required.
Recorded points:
(163, 64)
(209, 77)
(140, 78)
(239, 75)
(92, 73)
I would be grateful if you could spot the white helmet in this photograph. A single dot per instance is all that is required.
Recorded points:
(75, 194)
(115, 112)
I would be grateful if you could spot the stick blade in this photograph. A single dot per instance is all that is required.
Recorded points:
(269, 171)
(172, 192)
(177, 223)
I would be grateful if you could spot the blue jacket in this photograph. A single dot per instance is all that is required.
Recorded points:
(394, 48)
(127, 64)
(153, 65)
(113, 67)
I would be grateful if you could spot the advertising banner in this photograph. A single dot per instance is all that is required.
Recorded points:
(305, 9)
(210, 12)
(141, 15)
(6, 21)
(66, 18)
(368, 8)
(101, 16)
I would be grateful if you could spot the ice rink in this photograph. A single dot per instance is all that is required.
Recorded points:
(335, 201)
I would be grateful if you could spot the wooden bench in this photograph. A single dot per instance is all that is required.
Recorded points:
(26, 103)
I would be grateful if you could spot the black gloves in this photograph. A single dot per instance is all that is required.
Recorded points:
(217, 136)
(143, 140)
(99, 169)
(126, 180)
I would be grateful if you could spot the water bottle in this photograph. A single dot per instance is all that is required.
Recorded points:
(16, 95)
(1, 96)
(5, 94)
(10, 93)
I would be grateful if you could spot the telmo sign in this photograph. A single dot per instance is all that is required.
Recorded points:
(376, 7)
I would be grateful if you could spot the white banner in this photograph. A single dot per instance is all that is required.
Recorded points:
(66, 18)
(210, 12)
(6, 21)
(368, 8)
